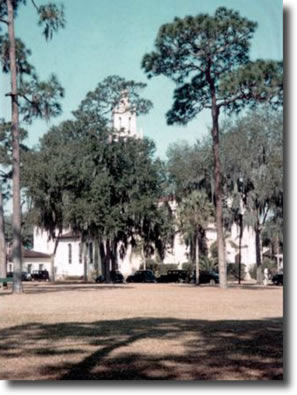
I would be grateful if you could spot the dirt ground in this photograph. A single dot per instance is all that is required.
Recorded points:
(141, 331)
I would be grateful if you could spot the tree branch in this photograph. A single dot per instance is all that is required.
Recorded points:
(265, 215)
(35, 5)
(4, 21)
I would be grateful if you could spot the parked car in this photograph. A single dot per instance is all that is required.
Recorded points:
(115, 277)
(173, 276)
(25, 276)
(205, 277)
(142, 276)
(40, 275)
(278, 279)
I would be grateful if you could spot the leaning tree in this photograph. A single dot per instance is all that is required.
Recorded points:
(208, 59)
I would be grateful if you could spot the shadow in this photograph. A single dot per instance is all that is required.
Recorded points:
(143, 349)
(42, 288)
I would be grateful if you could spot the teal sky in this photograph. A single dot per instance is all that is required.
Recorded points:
(106, 37)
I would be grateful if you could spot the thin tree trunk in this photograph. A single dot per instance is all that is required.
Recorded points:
(53, 274)
(107, 261)
(277, 253)
(3, 262)
(197, 260)
(101, 257)
(113, 255)
(258, 253)
(96, 257)
(218, 198)
(240, 248)
(85, 260)
(16, 219)
(144, 258)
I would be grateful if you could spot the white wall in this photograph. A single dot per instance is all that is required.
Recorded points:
(35, 262)
(41, 241)
(62, 265)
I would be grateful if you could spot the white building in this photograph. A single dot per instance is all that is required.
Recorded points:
(69, 263)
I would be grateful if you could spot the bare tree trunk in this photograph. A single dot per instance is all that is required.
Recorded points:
(53, 274)
(277, 253)
(218, 198)
(114, 261)
(239, 249)
(107, 261)
(258, 253)
(101, 257)
(16, 219)
(197, 260)
(3, 268)
(85, 260)
(144, 258)
(96, 257)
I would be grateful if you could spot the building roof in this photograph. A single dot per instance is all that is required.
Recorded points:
(69, 235)
(34, 254)
(29, 254)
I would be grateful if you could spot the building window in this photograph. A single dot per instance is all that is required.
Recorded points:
(69, 253)
(91, 252)
(80, 253)
(29, 268)
(10, 267)
(40, 266)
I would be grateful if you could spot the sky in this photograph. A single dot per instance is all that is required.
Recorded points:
(104, 37)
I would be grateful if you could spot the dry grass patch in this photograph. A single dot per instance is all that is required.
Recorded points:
(145, 331)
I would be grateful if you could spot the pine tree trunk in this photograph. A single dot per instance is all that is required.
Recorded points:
(16, 218)
(3, 262)
(218, 198)
(197, 258)
(258, 253)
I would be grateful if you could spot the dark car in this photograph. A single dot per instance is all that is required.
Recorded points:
(173, 276)
(25, 276)
(40, 275)
(205, 277)
(142, 276)
(115, 277)
(278, 279)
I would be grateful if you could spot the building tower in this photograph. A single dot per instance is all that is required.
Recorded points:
(124, 117)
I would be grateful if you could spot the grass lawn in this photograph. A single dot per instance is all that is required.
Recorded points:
(141, 331)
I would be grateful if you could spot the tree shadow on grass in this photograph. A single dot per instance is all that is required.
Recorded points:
(42, 288)
(144, 348)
